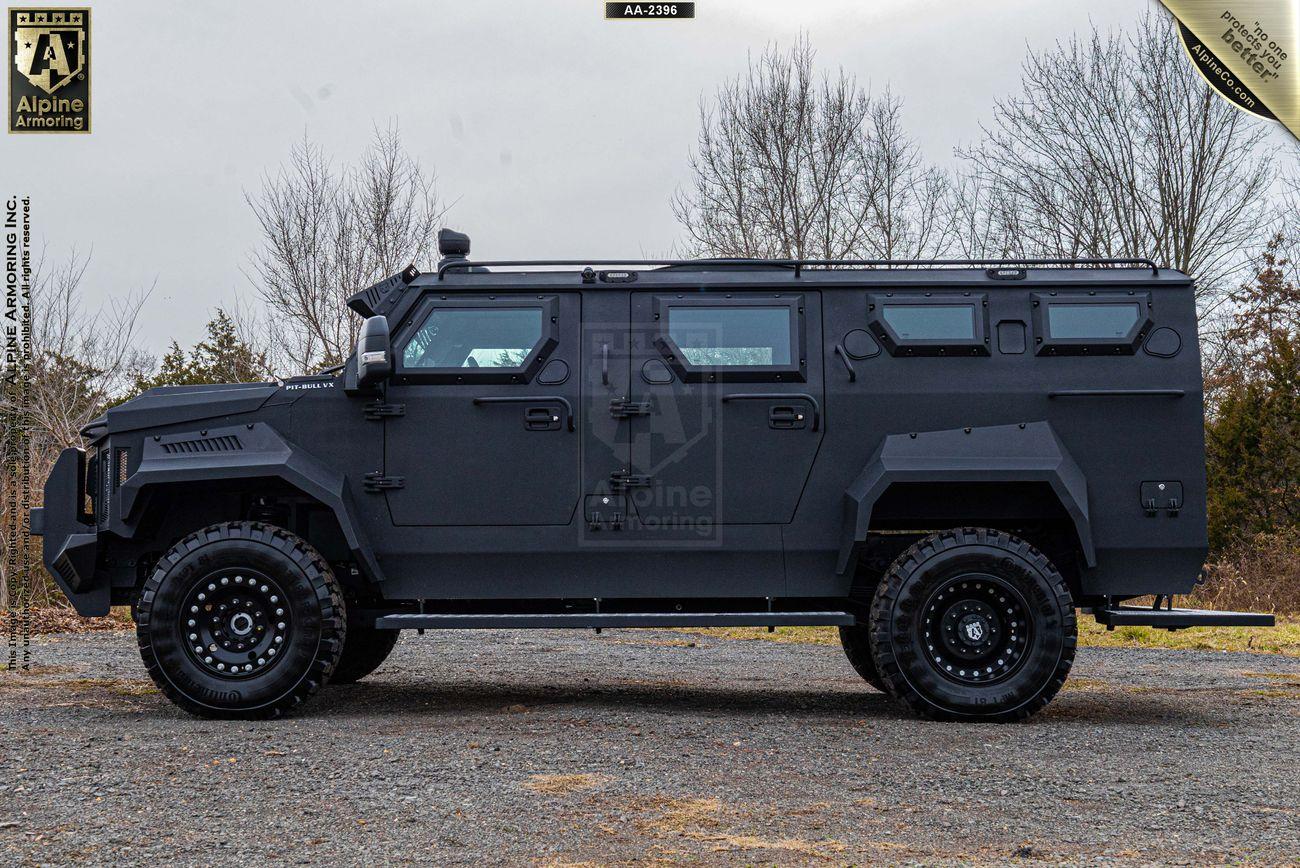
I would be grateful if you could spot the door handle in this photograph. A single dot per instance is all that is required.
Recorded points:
(776, 397)
(604, 364)
(785, 417)
(533, 414)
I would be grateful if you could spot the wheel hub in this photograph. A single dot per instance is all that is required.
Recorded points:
(974, 628)
(235, 623)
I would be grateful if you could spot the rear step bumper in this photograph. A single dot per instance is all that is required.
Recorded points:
(587, 620)
(1177, 619)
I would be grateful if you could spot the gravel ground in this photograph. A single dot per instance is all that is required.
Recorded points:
(559, 747)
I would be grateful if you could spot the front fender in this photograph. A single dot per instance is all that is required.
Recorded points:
(1029, 452)
(244, 452)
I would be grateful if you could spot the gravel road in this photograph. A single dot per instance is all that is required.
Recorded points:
(558, 747)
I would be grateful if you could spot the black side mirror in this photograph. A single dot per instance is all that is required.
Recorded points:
(374, 353)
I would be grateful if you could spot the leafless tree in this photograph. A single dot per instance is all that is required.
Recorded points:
(81, 360)
(1114, 146)
(328, 232)
(792, 164)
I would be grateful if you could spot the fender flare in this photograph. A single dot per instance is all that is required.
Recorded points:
(1027, 452)
(243, 452)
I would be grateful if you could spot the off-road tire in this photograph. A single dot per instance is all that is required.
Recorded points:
(311, 620)
(856, 641)
(365, 650)
(961, 574)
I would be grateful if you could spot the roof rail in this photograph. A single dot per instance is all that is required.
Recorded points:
(799, 264)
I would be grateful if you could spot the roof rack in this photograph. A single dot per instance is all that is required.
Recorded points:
(799, 264)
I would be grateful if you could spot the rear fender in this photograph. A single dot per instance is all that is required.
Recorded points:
(1028, 452)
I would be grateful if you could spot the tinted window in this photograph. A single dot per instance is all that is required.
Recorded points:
(480, 337)
(1100, 321)
(931, 322)
(710, 336)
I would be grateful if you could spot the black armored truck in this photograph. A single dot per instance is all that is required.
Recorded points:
(947, 460)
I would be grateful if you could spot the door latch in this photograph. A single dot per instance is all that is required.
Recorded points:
(622, 480)
(376, 481)
(622, 408)
(378, 410)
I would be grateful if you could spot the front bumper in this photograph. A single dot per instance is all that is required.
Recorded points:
(70, 543)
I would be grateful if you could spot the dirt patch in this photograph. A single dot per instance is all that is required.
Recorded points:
(561, 785)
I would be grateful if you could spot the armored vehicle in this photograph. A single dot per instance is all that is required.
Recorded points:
(945, 460)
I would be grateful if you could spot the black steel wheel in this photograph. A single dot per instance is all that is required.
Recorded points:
(365, 650)
(973, 623)
(240, 620)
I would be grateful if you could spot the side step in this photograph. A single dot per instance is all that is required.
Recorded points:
(590, 620)
(1178, 619)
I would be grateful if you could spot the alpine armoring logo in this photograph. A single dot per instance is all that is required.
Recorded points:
(49, 77)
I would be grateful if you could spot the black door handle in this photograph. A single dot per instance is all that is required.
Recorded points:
(785, 417)
(778, 396)
(604, 364)
(529, 413)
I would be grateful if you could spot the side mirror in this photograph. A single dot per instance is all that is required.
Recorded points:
(374, 353)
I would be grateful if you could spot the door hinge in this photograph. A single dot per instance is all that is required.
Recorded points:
(622, 481)
(376, 481)
(380, 410)
(622, 408)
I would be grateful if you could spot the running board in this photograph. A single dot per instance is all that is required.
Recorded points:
(1178, 619)
(588, 620)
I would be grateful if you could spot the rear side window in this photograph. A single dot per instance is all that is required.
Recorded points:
(732, 336)
(1110, 322)
(480, 337)
(933, 322)
(930, 324)
(1090, 324)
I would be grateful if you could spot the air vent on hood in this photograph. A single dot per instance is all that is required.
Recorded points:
(225, 443)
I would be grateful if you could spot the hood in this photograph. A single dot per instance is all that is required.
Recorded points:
(168, 405)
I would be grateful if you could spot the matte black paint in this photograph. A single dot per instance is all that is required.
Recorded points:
(482, 502)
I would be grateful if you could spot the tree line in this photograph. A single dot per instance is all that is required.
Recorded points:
(1111, 147)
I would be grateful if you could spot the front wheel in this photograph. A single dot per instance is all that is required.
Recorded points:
(240, 620)
(973, 624)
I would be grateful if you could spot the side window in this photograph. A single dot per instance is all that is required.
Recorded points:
(749, 336)
(1098, 321)
(932, 322)
(929, 325)
(737, 337)
(450, 337)
(1078, 324)
(477, 339)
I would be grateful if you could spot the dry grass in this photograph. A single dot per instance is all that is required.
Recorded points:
(559, 785)
(1282, 639)
(1261, 573)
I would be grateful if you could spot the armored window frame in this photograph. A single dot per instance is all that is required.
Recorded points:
(796, 371)
(549, 305)
(897, 345)
(1047, 345)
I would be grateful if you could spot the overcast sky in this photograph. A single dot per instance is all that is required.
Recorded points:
(556, 133)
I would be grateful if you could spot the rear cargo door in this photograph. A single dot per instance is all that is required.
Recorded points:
(731, 385)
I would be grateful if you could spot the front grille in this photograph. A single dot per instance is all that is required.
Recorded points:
(122, 456)
(224, 443)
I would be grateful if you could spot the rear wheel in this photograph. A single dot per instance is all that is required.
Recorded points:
(365, 650)
(973, 624)
(240, 620)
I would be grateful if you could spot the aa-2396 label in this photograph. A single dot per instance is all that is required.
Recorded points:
(649, 11)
